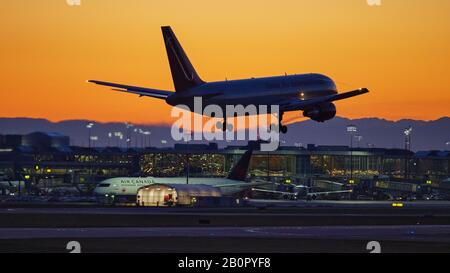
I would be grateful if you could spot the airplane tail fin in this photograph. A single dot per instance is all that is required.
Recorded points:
(239, 171)
(183, 73)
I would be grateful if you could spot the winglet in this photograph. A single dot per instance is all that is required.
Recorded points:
(350, 94)
(363, 90)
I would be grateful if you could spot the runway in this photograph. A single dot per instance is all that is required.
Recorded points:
(346, 204)
(334, 213)
(415, 233)
(278, 207)
(317, 226)
(212, 212)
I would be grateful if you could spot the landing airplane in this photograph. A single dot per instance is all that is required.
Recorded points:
(313, 94)
(234, 183)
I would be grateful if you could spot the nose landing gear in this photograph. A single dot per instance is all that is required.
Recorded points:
(282, 128)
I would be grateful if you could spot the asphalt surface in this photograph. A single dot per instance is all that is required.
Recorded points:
(279, 207)
(391, 233)
(251, 203)
(267, 226)
(318, 213)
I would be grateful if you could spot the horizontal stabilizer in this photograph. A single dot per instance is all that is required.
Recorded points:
(141, 91)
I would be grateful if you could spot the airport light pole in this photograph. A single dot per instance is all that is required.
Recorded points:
(407, 132)
(89, 127)
(135, 137)
(93, 139)
(358, 138)
(147, 136)
(141, 135)
(110, 135)
(129, 126)
(119, 136)
(352, 130)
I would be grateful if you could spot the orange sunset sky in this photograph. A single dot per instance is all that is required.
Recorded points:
(48, 49)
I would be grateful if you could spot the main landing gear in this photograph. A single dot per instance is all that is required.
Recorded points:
(225, 126)
(283, 128)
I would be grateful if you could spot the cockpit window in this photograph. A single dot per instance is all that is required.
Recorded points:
(104, 185)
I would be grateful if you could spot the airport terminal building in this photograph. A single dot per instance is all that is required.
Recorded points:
(49, 157)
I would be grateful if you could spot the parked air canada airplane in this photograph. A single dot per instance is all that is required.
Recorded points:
(234, 183)
(311, 93)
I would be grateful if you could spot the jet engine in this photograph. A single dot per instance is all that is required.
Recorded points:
(321, 112)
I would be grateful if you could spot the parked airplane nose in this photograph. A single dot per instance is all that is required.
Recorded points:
(97, 191)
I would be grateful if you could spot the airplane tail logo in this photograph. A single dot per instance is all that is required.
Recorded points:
(239, 171)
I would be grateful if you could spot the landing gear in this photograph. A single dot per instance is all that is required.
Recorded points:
(221, 125)
(224, 125)
(283, 128)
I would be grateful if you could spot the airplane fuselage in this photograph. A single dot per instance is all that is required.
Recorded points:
(129, 186)
(258, 91)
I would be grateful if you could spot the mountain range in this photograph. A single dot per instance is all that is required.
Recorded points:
(374, 132)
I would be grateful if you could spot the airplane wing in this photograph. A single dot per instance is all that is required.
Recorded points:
(243, 185)
(275, 192)
(309, 193)
(302, 104)
(329, 192)
(141, 91)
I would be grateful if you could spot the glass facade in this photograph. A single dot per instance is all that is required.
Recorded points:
(273, 165)
(175, 164)
(344, 165)
(84, 166)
